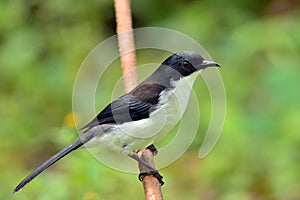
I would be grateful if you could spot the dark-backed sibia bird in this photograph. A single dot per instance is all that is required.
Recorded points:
(144, 115)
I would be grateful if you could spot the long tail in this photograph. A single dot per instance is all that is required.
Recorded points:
(50, 162)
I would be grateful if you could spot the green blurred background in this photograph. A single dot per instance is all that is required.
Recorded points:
(42, 44)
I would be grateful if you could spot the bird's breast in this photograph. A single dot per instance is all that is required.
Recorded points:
(172, 104)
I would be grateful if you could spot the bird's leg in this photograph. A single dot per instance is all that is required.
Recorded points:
(152, 170)
(153, 149)
(138, 159)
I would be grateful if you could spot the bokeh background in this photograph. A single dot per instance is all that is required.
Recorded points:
(43, 43)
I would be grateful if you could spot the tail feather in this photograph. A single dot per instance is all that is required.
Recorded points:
(49, 162)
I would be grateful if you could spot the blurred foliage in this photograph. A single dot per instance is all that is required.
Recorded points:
(42, 44)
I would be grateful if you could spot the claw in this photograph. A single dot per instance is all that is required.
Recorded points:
(155, 173)
(153, 149)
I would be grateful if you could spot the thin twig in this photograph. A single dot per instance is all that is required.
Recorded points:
(128, 61)
(126, 43)
(152, 188)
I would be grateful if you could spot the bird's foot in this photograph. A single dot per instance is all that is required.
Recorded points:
(153, 149)
(154, 173)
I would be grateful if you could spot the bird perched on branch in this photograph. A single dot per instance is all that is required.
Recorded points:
(142, 116)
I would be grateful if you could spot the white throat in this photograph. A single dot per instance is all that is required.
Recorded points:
(179, 95)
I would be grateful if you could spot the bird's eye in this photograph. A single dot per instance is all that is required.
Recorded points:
(186, 64)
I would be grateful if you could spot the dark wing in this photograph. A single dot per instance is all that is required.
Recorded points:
(133, 106)
(124, 109)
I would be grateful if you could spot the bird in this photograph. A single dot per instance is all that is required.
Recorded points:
(142, 116)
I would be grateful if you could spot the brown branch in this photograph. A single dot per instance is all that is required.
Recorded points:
(151, 185)
(128, 61)
(126, 43)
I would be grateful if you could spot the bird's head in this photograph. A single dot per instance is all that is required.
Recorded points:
(187, 62)
(180, 65)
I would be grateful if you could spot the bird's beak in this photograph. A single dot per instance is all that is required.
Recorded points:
(208, 63)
